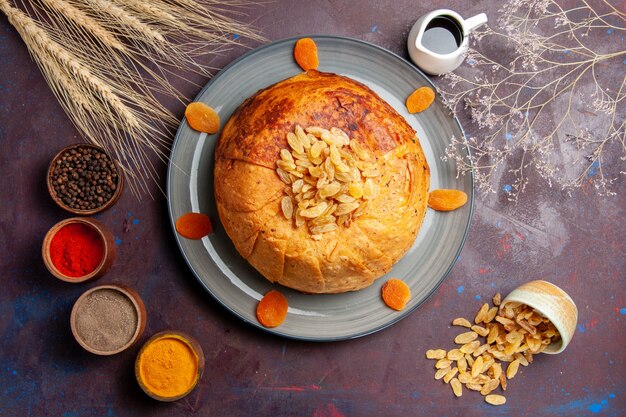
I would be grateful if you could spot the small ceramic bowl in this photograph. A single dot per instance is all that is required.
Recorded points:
(108, 319)
(59, 199)
(189, 347)
(551, 302)
(108, 252)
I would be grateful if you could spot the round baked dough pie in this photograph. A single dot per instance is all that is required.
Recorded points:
(314, 218)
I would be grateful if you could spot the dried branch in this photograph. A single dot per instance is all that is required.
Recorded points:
(556, 107)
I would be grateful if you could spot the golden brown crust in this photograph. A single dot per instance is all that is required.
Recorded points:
(248, 191)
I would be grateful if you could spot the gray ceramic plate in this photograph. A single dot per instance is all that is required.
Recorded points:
(231, 280)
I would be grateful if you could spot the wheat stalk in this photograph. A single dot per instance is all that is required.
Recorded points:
(42, 46)
(84, 95)
(107, 61)
(152, 12)
(83, 22)
(118, 15)
(162, 12)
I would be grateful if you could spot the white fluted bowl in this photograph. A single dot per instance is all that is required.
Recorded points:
(551, 302)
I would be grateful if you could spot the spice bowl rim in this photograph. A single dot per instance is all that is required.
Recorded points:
(108, 204)
(566, 334)
(193, 345)
(138, 305)
(107, 257)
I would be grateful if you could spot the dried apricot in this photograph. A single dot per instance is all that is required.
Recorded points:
(305, 53)
(396, 294)
(272, 309)
(420, 99)
(446, 200)
(202, 118)
(194, 225)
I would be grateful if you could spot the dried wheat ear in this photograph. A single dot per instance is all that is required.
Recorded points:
(108, 61)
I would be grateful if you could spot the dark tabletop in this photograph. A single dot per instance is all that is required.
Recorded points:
(575, 241)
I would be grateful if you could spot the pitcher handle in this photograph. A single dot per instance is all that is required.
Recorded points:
(475, 21)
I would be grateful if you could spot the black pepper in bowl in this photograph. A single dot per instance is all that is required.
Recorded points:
(83, 179)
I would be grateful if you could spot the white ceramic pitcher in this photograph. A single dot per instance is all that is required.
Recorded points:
(438, 40)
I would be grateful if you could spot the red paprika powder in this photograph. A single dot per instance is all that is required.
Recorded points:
(76, 250)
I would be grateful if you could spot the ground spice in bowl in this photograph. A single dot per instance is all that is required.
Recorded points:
(169, 365)
(83, 179)
(78, 249)
(108, 319)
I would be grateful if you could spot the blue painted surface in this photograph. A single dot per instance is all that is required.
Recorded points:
(460, 289)
(595, 408)
(507, 188)
(589, 404)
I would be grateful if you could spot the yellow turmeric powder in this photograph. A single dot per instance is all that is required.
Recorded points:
(168, 367)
